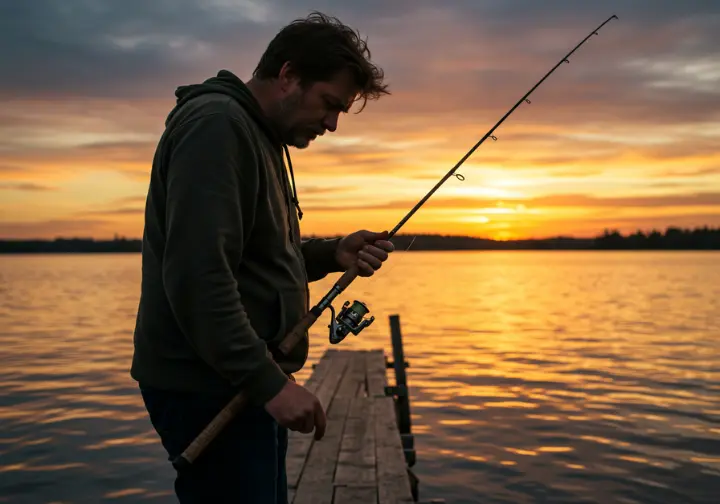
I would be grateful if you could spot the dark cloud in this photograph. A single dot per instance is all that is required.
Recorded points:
(114, 211)
(554, 201)
(108, 48)
(316, 190)
(133, 159)
(80, 228)
(25, 186)
(132, 48)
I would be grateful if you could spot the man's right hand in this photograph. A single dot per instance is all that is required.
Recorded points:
(298, 409)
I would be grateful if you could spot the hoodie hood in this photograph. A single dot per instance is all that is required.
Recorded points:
(226, 82)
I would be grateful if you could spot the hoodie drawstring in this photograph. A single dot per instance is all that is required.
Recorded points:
(295, 200)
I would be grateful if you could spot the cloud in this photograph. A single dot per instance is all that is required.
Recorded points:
(114, 211)
(133, 159)
(25, 186)
(54, 227)
(551, 201)
(131, 199)
(106, 48)
(690, 172)
(700, 199)
(455, 63)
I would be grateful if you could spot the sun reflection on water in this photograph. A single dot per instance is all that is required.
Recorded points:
(526, 370)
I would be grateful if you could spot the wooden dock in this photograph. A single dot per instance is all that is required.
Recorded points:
(365, 457)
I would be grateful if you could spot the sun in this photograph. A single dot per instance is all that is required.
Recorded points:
(503, 235)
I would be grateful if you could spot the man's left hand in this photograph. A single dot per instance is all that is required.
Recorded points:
(365, 249)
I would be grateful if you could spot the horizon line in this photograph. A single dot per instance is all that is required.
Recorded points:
(606, 231)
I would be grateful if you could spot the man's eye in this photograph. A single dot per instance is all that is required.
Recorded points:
(332, 105)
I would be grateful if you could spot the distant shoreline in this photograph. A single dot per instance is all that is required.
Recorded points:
(704, 238)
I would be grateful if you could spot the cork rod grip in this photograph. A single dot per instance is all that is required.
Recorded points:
(297, 333)
(347, 278)
(186, 458)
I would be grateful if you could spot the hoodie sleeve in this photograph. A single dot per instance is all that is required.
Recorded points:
(319, 257)
(211, 191)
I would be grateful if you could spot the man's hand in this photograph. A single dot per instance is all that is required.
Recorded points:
(298, 409)
(366, 249)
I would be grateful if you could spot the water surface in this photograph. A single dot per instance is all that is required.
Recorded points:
(535, 376)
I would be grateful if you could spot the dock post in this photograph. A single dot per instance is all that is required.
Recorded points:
(401, 389)
(402, 399)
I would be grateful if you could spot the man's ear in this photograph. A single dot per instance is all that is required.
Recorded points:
(287, 78)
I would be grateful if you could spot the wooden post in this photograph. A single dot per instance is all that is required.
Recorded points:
(402, 401)
(401, 395)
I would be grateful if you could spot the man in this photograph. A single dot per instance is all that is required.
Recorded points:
(224, 272)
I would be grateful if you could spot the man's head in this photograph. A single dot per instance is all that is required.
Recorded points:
(314, 69)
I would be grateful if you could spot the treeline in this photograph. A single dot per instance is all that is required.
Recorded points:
(703, 238)
(70, 245)
(673, 238)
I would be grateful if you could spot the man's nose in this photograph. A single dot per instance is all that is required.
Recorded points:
(331, 121)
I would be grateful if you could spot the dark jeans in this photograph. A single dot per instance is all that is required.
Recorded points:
(245, 463)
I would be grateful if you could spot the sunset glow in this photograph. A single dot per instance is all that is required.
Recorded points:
(626, 136)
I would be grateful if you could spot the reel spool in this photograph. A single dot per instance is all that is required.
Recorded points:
(349, 320)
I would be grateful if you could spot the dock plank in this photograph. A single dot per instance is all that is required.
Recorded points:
(393, 481)
(316, 486)
(356, 495)
(376, 377)
(360, 459)
(392, 477)
(356, 460)
(300, 444)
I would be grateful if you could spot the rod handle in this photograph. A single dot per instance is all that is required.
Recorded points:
(347, 278)
(186, 458)
(297, 333)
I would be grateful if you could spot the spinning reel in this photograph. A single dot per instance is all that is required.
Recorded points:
(349, 320)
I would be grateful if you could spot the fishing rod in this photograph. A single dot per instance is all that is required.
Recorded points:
(351, 317)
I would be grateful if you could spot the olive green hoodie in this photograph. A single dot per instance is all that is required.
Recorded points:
(224, 271)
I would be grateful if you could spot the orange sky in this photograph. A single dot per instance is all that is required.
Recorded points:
(626, 136)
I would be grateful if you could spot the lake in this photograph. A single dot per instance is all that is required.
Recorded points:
(535, 376)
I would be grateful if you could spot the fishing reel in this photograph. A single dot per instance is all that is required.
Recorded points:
(349, 320)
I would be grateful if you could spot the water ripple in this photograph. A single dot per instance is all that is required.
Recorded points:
(535, 377)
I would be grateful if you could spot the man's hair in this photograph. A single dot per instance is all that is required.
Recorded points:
(317, 48)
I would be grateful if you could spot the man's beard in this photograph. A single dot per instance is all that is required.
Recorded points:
(282, 117)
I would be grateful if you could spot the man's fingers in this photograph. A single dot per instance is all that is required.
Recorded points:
(320, 422)
(385, 245)
(376, 252)
(364, 269)
(370, 259)
(304, 425)
(371, 236)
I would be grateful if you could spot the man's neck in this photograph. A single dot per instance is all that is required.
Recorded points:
(260, 90)
(263, 93)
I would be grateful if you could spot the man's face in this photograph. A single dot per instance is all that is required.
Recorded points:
(304, 113)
